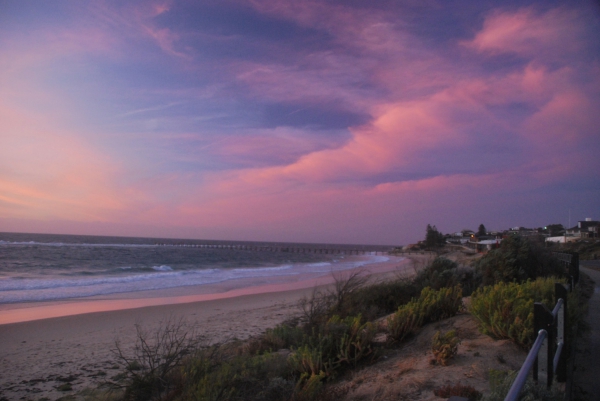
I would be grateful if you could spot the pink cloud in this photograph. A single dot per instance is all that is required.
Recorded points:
(347, 212)
(528, 32)
(373, 50)
(166, 40)
(318, 189)
(322, 79)
(280, 145)
(565, 120)
(398, 136)
(136, 21)
(314, 186)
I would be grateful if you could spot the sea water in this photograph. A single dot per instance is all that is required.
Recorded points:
(44, 267)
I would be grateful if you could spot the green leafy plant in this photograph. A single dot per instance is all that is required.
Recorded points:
(377, 299)
(517, 259)
(441, 304)
(431, 306)
(505, 310)
(405, 322)
(281, 336)
(444, 346)
(438, 274)
(354, 339)
(214, 374)
(338, 343)
(313, 360)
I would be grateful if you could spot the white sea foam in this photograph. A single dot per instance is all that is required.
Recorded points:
(162, 268)
(320, 264)
(128, 279)
(263, 269)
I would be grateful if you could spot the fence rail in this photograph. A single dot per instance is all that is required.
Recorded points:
(571, 262)
(515, 390)
(548, 356)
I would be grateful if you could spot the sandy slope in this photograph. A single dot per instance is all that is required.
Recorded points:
(407, 373)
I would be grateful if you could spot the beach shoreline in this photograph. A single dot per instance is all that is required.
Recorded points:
(40, 350)
(30, 311)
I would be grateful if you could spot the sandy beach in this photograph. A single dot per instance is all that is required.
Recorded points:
(43, 344)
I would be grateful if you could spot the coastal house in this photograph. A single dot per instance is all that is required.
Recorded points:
(458, 237)
(524, 232)
(587, 228)
(488, 244)
(561, 239)
(484, 243)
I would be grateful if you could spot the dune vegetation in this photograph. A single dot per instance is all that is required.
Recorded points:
(341, 329)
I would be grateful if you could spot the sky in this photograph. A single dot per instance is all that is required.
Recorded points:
(297, 121)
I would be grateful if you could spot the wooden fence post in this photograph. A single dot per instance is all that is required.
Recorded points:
(574, 266)
(562, 332)
(543, 367)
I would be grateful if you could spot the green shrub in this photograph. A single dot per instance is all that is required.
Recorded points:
(443, 273)
(517, 259)
(339, 300)
(444, 346)
(440, 273)
(378, 299)
(354, 294)
(431, 306)
(441, 304)
(309, 387)
(354, 339)
(314, 359)
(285, 335)
(505, 310)
(214, 375)
(405, 322)
(470, 280)
(337, 344)
(279, 337)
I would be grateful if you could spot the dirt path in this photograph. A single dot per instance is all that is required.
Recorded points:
(586, 386)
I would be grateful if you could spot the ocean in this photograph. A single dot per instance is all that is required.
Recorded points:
(45, 267)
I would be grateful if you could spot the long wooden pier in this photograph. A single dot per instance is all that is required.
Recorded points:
(362, 250)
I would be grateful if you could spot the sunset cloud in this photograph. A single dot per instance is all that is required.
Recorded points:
(530, 33)
(299, 121)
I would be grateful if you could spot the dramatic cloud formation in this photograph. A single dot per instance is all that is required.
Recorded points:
(303, 121)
